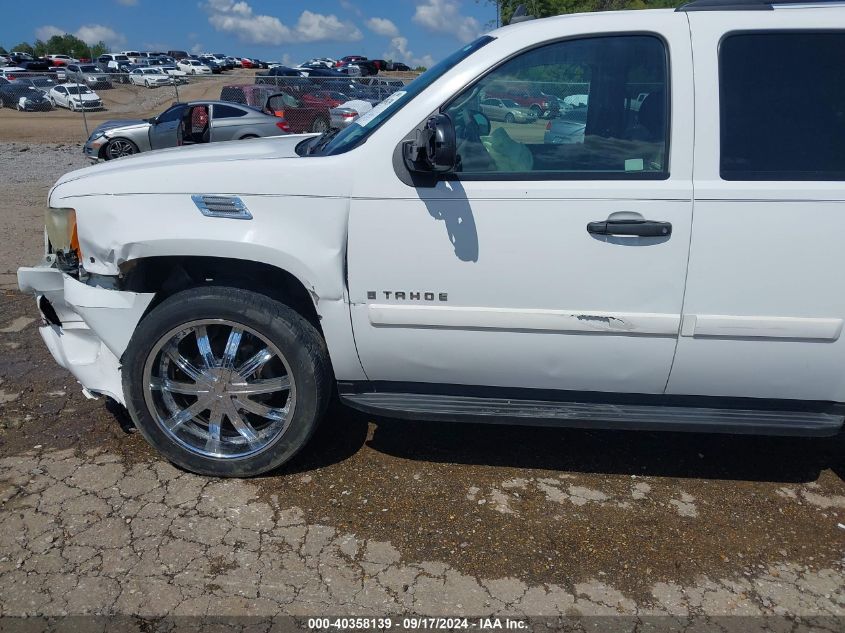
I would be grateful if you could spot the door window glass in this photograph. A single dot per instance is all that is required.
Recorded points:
(227, 112)
(172, 114)
(587, 108)
(782, 98)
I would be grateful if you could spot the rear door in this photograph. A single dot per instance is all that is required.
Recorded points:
(226, 122)
(512, 272)
(765, 302)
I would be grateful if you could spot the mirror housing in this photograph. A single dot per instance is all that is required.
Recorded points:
(435, 149)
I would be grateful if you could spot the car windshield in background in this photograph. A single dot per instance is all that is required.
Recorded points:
(358, 132)
(510, 104)
(89, 69)
(76, 90)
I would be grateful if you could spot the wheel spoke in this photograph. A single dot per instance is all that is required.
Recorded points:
(175, 421)
(204, 347)
(266, 385)
(174, 386)
(183, 363)
(215, 418)
(256, 362)
(241, 426)
(231, 350)
(270, 413)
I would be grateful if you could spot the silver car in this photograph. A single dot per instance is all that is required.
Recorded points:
(87, 74)
(507, 110)
(181, 124)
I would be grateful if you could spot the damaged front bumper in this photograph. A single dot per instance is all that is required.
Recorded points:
(86, 327)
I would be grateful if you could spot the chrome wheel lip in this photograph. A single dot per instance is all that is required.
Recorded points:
(123, 148)
(267, 436)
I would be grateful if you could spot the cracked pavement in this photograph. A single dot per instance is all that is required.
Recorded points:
(382, 517)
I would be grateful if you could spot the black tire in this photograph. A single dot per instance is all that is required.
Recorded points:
(246, 136)
(320, 125)
(537, 110)
(509, 118)
(301, 345)
(118, 147)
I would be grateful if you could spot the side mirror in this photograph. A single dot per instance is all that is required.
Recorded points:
(435, 148)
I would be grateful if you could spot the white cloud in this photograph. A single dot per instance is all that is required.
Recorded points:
(382, 26)
(94, 33)
(348, 6)
(238, 18)
(89, 33)
(47, 31)
(399, 52)
(444, 16)
(197, 49)
(128, 3)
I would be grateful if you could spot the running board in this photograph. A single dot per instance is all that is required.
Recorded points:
(435, 407)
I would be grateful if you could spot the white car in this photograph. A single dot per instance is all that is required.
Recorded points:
(74, 97)
(62, 60)
(193, 67)
(150, 77)
(178, 76)
(12, 72)
(679, 268)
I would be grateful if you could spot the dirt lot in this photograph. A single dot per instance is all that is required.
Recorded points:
(380, 516)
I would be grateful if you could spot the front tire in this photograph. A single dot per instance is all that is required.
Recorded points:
(118, 148)
(509, 118)
(226, 382)
(320, 125)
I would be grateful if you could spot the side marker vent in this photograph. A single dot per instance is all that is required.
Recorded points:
(222, 207)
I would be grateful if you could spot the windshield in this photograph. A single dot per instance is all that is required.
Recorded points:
(89, 69)
(76, 90)
(365, 125)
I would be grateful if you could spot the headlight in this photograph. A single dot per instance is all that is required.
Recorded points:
(61, 230)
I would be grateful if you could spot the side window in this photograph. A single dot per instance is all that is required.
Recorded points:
(574, 111)
(227, 112)
(782, 104)
(173, 114)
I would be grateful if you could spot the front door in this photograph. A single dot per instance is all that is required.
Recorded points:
(537, 264)
(165, 131)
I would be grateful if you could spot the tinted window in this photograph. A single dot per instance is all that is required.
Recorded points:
(227, 112)
(617, 137)
(783, 106)
(172, 114)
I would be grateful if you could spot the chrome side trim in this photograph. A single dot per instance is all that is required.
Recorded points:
(522, 320)
(215, 206)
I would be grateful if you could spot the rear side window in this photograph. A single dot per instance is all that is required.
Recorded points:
(783, 106)
(227, 112)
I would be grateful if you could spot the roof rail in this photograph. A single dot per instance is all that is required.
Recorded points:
(745, 5)
(520, 14)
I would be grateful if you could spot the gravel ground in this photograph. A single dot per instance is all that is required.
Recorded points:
(380, 516)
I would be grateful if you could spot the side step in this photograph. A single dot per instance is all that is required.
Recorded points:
(451, 408)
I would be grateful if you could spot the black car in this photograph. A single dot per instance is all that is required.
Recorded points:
(22, 95)
(398, 66)
(30, 64)
(216, 68)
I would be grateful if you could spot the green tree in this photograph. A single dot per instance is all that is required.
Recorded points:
(24, 47)
(546, 8)
(3, 51)
(39, 49)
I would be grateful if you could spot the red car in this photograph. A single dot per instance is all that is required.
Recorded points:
(299, 116)
(246, 62)
(529, 97)
(324, 99)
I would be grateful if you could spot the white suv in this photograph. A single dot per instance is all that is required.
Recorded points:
(677, 267)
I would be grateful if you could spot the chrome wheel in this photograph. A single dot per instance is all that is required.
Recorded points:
(119, 147)
(219, 389)
(319, 126)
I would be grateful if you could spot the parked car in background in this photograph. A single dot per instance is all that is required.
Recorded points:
(22, 95)
(193, 66)
(177, 55)
(40, 82)
(216, 68)
(150, 77)
(324, 99)
(4, 60)
(12, 72)
(399, 67)
(507, 110)
(74, 96)
(62, 60)
(298, 116)
(134, 56)
(88, 74)
(28, 62)
(178, 76)
(527, 97)
(568, 128)
(113, 61)
(189, 123)
(320, 62)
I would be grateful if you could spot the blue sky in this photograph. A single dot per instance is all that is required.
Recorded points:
(291, 31)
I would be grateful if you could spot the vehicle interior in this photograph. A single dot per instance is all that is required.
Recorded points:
(619, 134)
(196, 125)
